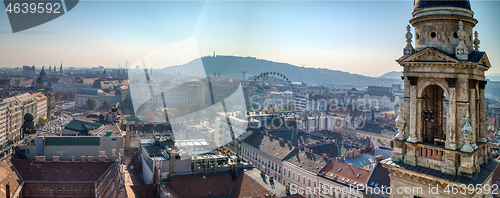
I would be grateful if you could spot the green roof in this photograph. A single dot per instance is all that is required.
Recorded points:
(72, 141)
(79, 125)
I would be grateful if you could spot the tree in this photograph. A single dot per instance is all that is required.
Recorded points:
(91, 104)
(105, 106)
(271, 108)
(288, 107)
(42, 121)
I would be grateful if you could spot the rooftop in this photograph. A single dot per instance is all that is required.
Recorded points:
(478, 178)
(345, 173)
(270, 145)
(306, 160)
(379, 177)
(31, 170)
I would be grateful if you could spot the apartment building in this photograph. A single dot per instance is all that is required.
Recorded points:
(3, 123)
(41, 106)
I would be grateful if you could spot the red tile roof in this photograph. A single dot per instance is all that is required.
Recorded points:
(245, 186)
(342, 172)
(60, 171)
(109, 185)
(206, 185)
(23, 82)
(8, 176)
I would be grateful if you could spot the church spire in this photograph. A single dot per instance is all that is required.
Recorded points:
(408, 50)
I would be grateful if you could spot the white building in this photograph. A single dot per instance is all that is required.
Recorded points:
(82, 95)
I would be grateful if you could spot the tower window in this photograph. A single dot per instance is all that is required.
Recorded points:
(433, 34)
(455, 35)
(418, 36)
(434, 116)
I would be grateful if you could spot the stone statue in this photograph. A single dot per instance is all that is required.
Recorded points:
(400, 124)
(467, 132)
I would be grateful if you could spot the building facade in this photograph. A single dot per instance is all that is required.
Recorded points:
(442, 126)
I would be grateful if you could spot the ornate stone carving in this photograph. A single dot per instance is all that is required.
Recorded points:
(461, 51)
(408, 50)
(476, 42)
(400, 124)
(467, 131)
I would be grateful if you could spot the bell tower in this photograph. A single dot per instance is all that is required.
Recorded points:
(442, 136)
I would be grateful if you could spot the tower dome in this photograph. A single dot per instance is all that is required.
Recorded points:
(420, 4)
(436, 24)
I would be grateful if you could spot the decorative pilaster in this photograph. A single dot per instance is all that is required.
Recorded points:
(413, 109)
(461, 51)
(452, 112)
(483, 137)
(408, 50)
(473, 110)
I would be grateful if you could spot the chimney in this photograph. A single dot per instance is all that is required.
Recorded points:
(40, 158)
(90, 158)
(102, 159)
(325, 155)
(113, 158)
(378, 158)
(72, 158)
(172, 163)
(7, 190)
(55, 158)
(82, 158)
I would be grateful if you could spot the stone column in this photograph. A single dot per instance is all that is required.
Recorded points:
(473, 112)
(406, 108)
(418, 112)
(482, 111)
(451, 119)
(413, 109)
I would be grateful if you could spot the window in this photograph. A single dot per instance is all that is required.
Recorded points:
(298, 177)
(84, 192)
(76, 192)
(27, 192)
(58, 191)
(293, 175)
(51, 192)
(34, 191)
(288, 173)
(92, 192)
(284, 170)
(309, 182)
(314, 184)
(434, 116)
(67, 191)
(304, 180)
(42, 192)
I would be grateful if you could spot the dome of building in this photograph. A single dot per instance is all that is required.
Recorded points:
(28, 117)
(421, 4)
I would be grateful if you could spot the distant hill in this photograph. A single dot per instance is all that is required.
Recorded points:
(493, 77)
(392, 75)
(234, 65)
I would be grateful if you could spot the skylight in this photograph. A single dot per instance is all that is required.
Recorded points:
(357, 175)
(339, 170)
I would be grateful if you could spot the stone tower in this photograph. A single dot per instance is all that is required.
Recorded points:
(442, 137)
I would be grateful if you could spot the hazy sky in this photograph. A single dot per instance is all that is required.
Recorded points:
(363, 37)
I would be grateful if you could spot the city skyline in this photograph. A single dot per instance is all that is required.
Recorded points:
(361, 37)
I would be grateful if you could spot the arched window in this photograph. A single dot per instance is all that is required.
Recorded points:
(433, 115)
